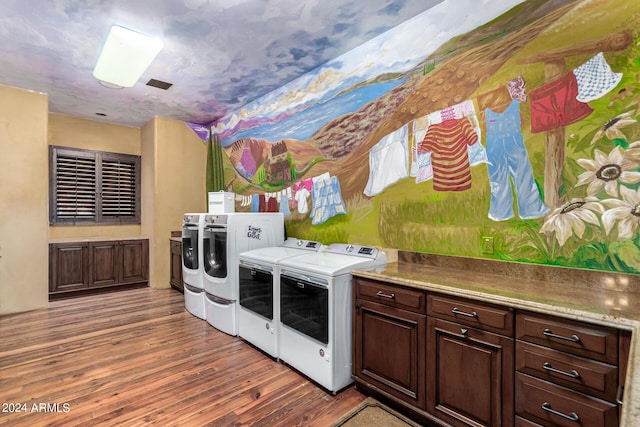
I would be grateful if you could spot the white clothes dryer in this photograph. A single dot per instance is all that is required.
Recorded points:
(259, 275)
(315, 311)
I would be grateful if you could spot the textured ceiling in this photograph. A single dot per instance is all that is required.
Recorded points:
(218, 54)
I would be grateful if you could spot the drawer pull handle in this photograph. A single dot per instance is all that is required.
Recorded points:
(571, 417)
(456, 310)
(382, 294)
(573, 374)
(572, 338)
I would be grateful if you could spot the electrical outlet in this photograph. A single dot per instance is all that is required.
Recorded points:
(487, 245)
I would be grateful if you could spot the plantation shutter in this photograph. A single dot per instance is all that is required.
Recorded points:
(75, 186)
(119, 184)
(93, 187)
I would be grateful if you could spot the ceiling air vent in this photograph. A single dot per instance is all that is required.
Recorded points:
(159, 84)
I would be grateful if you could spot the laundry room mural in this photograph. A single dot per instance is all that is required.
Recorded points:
(508, 133)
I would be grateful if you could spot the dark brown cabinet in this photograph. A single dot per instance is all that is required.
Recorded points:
(452, 361)
(135, 261)
(389, 350)
(568, 372)
(176, 265)
(389, 337)
(104, 262)
(68, 266)
(470, 369)
(77, 268)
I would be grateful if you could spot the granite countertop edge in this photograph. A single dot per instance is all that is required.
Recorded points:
(537, 296)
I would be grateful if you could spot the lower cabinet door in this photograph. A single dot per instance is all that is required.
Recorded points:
(389, 350)
(68, 267)
(135, 261)
(175, 269)
(470, 375)
(105, 261)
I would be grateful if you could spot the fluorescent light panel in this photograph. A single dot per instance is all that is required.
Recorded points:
(125, 56)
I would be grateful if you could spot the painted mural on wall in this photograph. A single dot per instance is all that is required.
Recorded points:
(510, 133)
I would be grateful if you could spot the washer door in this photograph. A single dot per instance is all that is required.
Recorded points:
(304, 306)
(190, 247)
(214, 248)
(256, 290)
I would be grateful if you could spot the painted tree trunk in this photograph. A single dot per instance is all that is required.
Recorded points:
(215, 167)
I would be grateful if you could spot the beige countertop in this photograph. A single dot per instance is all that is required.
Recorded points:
(597, 297)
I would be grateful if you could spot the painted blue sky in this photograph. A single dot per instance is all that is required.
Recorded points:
(398, 49)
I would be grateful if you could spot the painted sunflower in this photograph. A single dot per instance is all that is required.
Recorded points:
(607, 172)
(611, 128)
(625, 212)
(571, 218)
(633, 152)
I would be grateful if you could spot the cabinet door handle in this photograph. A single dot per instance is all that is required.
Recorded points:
(573, 338)
(571, 417)
(573, 374)
(382, 294)
(456, 310)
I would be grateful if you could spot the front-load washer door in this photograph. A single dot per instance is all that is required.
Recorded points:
(214, 248)
(190, 247)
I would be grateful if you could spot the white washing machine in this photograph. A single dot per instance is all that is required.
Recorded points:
(259, 309)
(224, 237)
(315, 311)
(192, 271)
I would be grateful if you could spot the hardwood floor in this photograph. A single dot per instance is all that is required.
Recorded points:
(137, 357)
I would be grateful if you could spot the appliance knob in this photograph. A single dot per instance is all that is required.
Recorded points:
(321, 352)
(300, 242)
(349, 248)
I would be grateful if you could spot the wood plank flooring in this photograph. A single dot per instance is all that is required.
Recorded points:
(136, 357)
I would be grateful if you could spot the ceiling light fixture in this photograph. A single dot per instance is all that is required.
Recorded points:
(125, 56)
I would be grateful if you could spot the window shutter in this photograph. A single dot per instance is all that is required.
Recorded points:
(75, 186)
(93, 187)
(119, 183)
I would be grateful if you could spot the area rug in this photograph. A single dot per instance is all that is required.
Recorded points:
(371, 413)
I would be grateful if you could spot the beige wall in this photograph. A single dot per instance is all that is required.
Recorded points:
(24, 268)
(67, 131)
(173, 182)
(174, 157)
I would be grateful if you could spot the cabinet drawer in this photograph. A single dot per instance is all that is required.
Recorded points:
(582, 339)
(472, 313)
(390, 295)
(550, 404)
(588, 376)
(522, 422)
